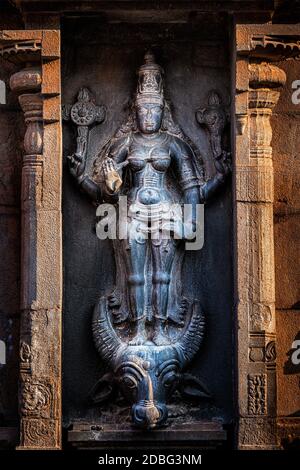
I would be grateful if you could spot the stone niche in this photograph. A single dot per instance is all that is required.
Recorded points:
(104, 58)
(64, 268)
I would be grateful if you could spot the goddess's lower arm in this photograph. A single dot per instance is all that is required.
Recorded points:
(211, 186)
(90, 188)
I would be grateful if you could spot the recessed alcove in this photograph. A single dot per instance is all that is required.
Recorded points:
(104, 55)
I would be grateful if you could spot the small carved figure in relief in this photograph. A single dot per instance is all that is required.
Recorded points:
(146, 330)
(215, 118)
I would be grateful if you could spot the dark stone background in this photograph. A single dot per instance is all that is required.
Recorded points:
(104, 57)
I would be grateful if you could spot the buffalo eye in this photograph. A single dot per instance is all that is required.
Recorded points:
(129, 382)
(169, 379)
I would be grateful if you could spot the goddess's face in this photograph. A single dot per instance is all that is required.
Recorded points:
(149, 117)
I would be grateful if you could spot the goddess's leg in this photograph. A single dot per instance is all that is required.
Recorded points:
(163, 252)
(136, 259)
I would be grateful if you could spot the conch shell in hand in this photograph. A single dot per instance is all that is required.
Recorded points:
(113, 180)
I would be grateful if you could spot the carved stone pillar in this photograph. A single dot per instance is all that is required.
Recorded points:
(254, 196)
(257, 90)
(38, 87)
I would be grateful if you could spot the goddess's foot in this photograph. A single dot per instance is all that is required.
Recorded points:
(138, 340)
(160, 339)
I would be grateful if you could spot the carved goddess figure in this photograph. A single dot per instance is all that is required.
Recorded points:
(152, 163)
(146, 331)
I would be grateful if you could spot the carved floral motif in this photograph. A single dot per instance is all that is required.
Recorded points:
(37, 397)
(38, 432)
(257, 399)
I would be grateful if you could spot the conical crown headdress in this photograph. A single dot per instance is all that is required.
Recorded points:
(150, 82)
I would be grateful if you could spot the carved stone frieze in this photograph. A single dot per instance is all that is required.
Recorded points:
(37, 397)
(257, 394)
(38, 433)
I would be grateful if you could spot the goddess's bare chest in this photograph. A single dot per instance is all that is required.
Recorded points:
(142, 156)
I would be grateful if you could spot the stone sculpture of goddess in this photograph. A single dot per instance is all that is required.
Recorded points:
(152, 163)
